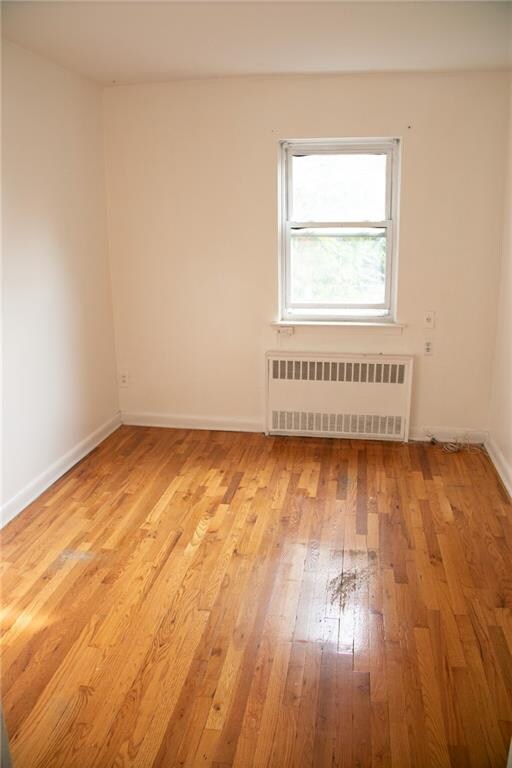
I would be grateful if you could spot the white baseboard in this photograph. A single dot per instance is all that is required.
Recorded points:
(448, 434)
(503, 467)
(175, 421)
(190, 422)
(35, 488)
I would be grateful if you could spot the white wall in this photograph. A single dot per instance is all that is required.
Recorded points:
(500, 441)
(59, 385)
(191, 169)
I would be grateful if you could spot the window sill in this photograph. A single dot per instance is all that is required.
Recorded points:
(336, 324)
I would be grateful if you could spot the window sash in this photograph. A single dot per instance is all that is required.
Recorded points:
(336, 147)
(296, 151)
(290, 304)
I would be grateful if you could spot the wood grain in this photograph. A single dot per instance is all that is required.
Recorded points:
(193, 598)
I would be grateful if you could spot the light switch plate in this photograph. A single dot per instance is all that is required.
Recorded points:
(429, 319)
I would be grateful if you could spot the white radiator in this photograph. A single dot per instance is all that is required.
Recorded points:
(337, 395)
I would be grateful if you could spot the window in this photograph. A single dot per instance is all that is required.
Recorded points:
(338, 221)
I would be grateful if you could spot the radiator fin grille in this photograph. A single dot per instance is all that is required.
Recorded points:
(347, 423)
(365, 373)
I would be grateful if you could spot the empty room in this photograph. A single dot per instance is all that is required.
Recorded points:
(256, 384)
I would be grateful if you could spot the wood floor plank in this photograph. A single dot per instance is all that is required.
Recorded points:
(196, 598)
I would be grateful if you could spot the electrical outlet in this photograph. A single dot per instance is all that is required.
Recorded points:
(285, 330)
(429, 319)
(123, 379)
(428, 347)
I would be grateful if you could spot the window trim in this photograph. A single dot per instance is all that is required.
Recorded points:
(294, 311)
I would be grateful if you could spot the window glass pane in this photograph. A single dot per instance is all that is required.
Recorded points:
(338, 266)
(346, 187)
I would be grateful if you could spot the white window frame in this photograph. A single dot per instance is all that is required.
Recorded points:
(328, 312)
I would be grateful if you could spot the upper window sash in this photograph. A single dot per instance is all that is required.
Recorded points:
(339, 147)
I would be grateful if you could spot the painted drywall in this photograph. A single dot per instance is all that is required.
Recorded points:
(500, 427)
(59, 378)
(192, 200)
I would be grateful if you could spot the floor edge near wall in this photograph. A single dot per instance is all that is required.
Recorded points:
(45, 479)
(40, 484)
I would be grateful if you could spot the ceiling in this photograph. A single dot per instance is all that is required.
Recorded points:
(133, 42)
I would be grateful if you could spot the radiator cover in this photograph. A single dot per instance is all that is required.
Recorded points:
(339, 395)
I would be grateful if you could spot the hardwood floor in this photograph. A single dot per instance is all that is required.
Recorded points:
(220, 599)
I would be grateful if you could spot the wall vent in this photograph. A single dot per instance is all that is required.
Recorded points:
(356, 396)
(302, 370)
